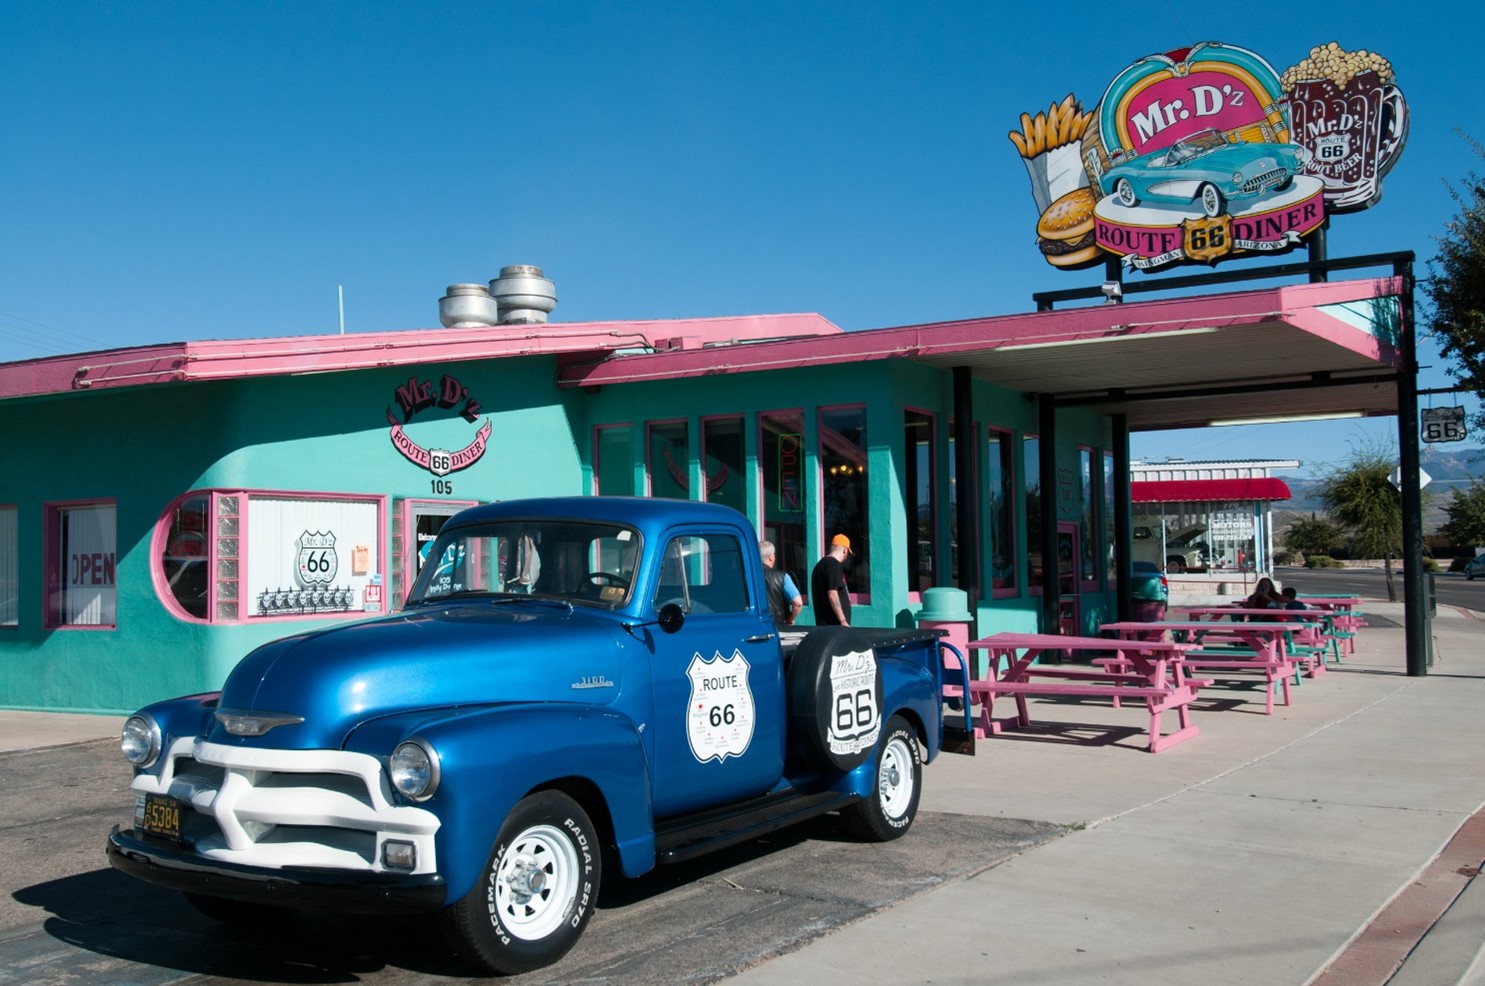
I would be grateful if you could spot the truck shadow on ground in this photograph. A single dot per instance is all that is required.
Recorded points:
(702, 920)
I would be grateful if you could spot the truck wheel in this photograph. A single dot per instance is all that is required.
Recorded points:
(538, 890)
(238, 913)
(835, 698)
(893, 804)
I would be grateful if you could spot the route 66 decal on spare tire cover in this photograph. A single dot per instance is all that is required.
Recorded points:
(835, 698)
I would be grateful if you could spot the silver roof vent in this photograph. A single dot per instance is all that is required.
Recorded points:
(466, 306)
(523, 294)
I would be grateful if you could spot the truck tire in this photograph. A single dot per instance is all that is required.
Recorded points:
(537, 892)
(835, 699)
(893, 804)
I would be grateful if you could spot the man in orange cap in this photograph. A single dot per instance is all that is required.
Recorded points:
(828, 592)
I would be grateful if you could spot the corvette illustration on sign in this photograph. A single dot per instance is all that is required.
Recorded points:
(1205, 169)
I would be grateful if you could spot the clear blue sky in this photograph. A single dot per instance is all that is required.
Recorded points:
(177, 171)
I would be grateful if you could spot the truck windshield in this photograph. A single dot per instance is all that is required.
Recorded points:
(575, 562)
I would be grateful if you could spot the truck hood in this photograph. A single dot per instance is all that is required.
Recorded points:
(465, 653)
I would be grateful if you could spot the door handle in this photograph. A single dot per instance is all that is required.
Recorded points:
(758, 638)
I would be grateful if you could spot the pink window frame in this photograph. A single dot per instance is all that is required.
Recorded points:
(1091, 536)
(1022, 469)
(162, 532)
(17, 624)
(1012, 514)
(915, 596)
(649, 465)
(742, 420)
(597, 429)
(857, 598)
(51, 577)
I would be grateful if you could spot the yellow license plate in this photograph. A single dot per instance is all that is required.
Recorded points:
(161, 816)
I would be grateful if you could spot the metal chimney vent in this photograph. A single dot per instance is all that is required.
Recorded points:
(523, 294)
(466, 306)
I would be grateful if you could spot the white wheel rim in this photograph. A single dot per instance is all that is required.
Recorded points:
(1126, 193)
(895, 777)
(1209, 201)
(536, 881)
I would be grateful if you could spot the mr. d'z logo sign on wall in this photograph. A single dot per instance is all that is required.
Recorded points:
(416, 396)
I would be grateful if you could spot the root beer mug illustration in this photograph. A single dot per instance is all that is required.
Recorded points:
(1348, 111)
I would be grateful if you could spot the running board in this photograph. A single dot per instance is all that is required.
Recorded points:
(694, 835)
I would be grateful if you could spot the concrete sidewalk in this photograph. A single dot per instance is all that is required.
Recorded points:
(1256, 852)
(1260, 851)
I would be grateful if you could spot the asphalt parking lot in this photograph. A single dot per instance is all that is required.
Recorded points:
(66, 917)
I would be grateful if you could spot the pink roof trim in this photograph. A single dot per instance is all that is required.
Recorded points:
(236, 358)
(1296, 304)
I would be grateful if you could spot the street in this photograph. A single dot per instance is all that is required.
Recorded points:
(67, 917)
(1371, 583)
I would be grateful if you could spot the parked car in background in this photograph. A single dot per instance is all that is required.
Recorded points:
(1149, 591)
(1182, 550)
(1476, 567)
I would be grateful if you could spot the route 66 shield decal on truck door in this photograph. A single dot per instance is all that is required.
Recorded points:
(719, 718)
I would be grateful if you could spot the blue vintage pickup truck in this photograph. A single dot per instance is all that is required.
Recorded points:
(572, 684)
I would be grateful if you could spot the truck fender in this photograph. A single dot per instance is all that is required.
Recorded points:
(490, 759)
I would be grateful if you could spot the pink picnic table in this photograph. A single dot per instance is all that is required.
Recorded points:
(1265, 640)
(1344, 619)
(1152, 672)
(1318, 629)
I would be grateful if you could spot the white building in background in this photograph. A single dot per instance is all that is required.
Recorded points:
(1207, 516)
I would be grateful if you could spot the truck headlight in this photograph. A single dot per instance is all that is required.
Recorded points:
(414, 769)
(140, 740)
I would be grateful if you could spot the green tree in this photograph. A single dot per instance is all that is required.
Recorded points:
(1455, 287)
(1361, 498)
(1466, 510)
(1313, 535)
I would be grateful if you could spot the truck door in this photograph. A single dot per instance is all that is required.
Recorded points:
(718, 682)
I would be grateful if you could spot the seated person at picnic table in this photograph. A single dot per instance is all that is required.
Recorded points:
(1264, 595)
(1291, 598)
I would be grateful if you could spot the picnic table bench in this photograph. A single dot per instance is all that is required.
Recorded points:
(1148, 674)
(1261, 648)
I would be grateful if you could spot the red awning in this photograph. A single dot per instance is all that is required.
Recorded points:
(1200, 490)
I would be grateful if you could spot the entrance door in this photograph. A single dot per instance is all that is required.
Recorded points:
(415, 524)
(1069, 619)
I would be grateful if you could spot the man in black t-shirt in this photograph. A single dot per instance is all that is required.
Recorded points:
(828, 592)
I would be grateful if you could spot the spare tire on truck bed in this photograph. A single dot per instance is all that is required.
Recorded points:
(835, 698)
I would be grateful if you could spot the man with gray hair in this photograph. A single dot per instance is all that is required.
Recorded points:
(784, 599)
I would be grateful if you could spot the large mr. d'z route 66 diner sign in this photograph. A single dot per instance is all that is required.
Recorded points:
(1204, 153)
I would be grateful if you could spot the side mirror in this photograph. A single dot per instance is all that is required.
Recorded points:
(672, 617)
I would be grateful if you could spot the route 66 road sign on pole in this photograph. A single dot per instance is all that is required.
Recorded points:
(1443, 424)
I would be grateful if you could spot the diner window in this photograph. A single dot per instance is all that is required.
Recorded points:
(1108, 518)
(669, 464)
(9, 568)
(1031, 472)
(954, 500)
(1088, 536)
(1002, 498)
(781, 463)
(843, 481)
(922, 507)
(306, 555)
(722, 453)
(81, 566)
(613, 460)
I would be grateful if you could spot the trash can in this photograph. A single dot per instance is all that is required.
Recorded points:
(948, 609)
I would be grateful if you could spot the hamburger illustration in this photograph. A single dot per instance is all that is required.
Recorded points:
(1065, 230)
